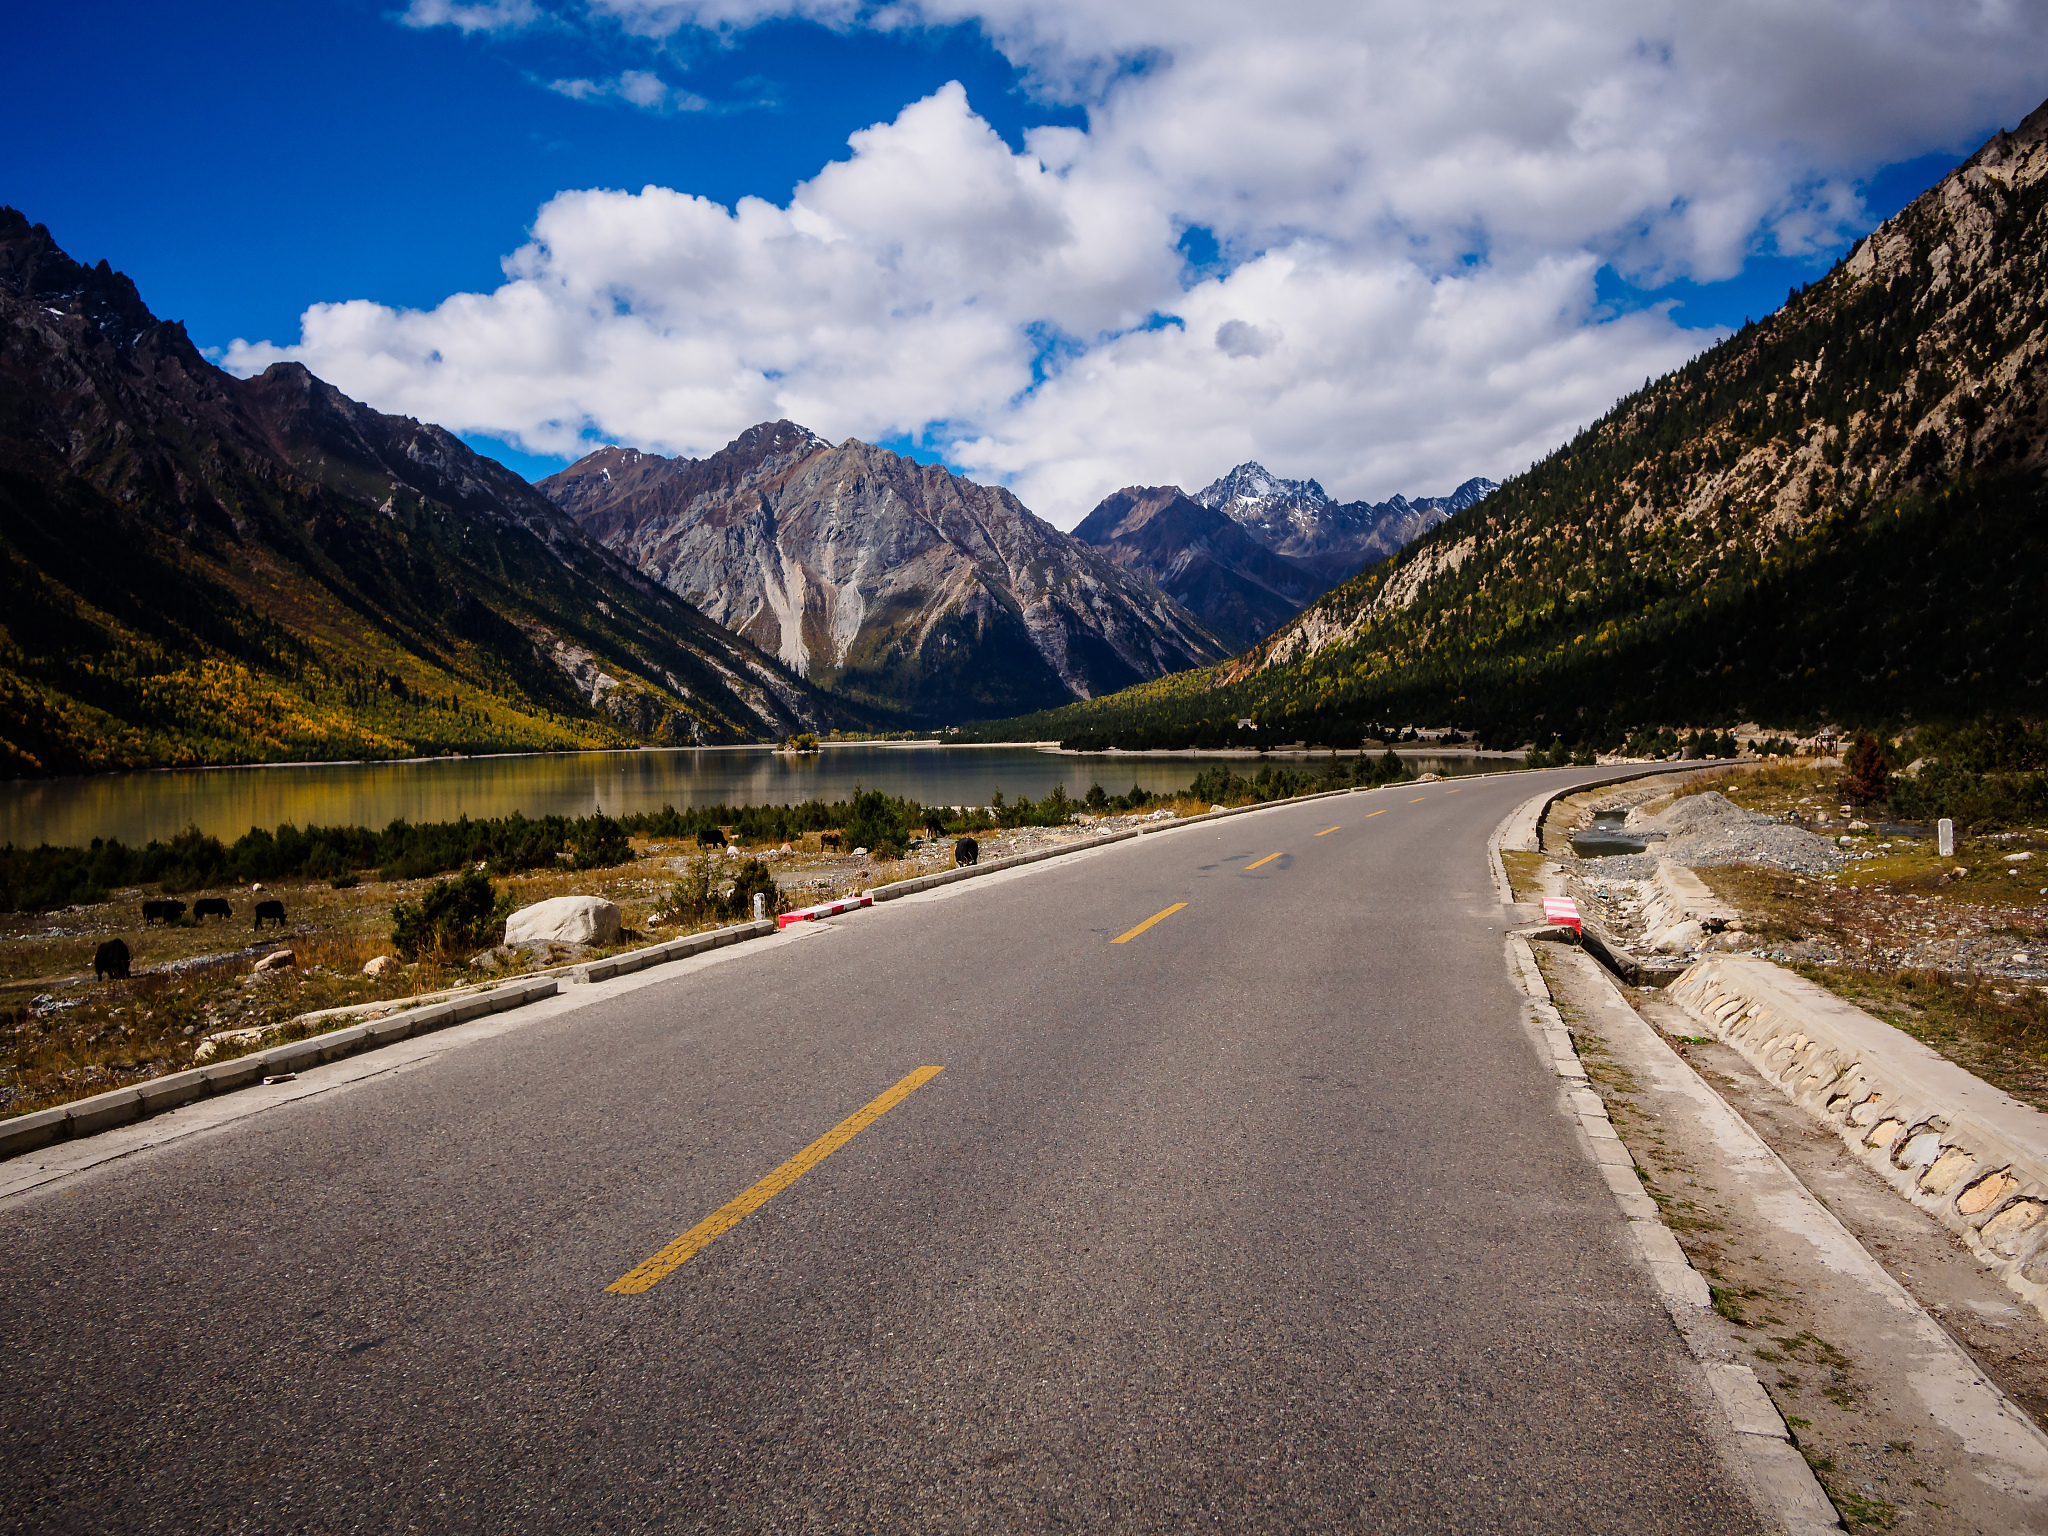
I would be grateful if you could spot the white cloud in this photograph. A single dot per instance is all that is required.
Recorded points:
(639, 87)
(489, 16)
(1412, 203)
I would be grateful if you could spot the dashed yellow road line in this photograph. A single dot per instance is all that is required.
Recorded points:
(1382, 810)
(1454, 791)
(1269, 858)
(1418, 800)
(1328, 830)
(1125, 938)
(736, 1210)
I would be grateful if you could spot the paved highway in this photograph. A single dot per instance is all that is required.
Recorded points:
(1263, 1217)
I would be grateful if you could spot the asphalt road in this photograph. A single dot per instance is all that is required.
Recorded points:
(1263, 1219)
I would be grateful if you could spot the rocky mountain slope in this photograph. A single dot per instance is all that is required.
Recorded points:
(1248, 552)
(1838, 510)
(1237, 585)
(198, 568)
(887, 581)
(1337, 540)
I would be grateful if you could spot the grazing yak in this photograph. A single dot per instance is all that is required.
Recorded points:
(828, 839)
(110, 960)
(162, 911)
(274, 910)
(965, 852)
(211, 906)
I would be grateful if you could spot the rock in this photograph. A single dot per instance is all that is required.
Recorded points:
(860, 853)
(487, 961)
(1678, 939)
(276, 960)
(565, 920)
(1214, 808)
(382, 965)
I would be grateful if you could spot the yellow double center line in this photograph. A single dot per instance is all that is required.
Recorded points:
(740, 1207)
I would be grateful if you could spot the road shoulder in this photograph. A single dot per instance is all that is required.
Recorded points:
(1893, 1415)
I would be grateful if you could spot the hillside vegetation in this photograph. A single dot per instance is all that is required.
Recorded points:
(196, 568)
(1836, 512)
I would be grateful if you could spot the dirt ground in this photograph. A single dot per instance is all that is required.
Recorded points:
(1952, 951)
(66, 1035)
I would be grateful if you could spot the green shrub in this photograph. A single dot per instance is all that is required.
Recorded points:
(598, 842)
(750, 877)
(456, 914)
(694, 897)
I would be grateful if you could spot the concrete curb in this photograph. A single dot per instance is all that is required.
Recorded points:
(123, 1106)
(1969, 1154)
(1522, 828)
(104, 1111)
(674, 949)
(1759, 1433)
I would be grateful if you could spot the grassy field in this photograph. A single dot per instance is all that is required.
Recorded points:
(1952, 951)
(65, 1035)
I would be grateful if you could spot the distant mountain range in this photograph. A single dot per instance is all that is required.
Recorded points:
(1840, 511)
(887, 581)
(195, 568)
(1335, 539)
(1245, 554)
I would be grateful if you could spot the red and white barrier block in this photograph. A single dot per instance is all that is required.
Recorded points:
(825, 909)
(1562, 912)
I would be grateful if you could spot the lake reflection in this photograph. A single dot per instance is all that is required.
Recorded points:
(227, 802)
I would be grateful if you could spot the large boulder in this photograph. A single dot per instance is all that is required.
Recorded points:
(565, 920)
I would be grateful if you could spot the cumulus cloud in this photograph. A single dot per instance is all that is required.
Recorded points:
(1410, 206)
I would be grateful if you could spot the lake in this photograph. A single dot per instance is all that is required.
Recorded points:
(227, 802)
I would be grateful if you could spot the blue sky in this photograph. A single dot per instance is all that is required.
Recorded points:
(245, 161)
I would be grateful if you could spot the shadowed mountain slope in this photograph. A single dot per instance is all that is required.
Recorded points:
(196, 568)
(1235, 584)
(1839, 511)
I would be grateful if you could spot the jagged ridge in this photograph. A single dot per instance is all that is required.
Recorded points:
(199, 568)
(888, 581)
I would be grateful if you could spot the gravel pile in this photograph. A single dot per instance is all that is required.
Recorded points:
(1707, 830)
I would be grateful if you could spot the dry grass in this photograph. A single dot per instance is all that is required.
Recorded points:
(64, 1035)
(1523, 867)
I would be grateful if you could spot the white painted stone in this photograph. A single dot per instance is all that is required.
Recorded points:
(1945, 838)
(565, 920)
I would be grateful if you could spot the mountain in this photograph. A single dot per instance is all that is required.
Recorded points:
(196, 568)
(1236, 584)
(1840, 510)
(1247, 553)
(1337, 540)
(887, 581)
